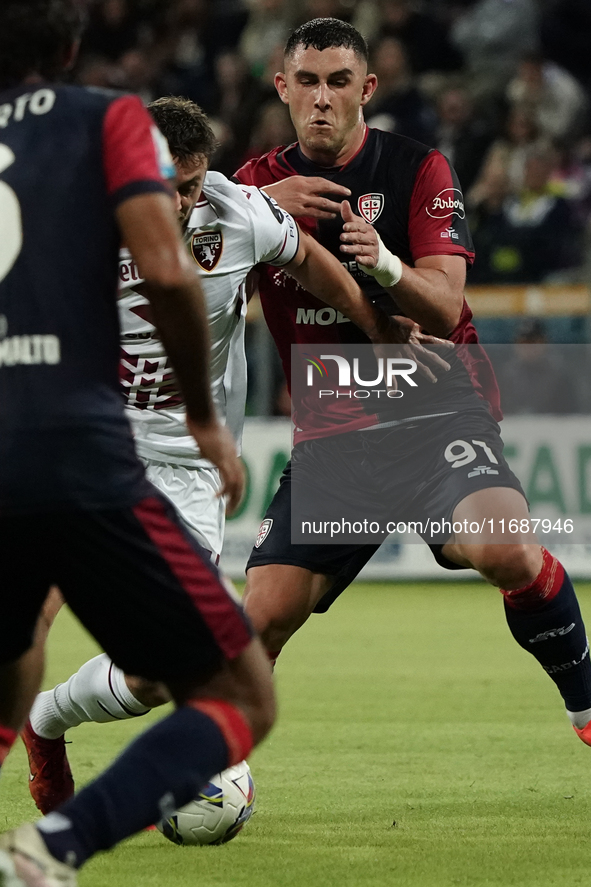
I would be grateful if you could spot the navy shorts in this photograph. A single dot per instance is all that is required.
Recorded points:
(135, 578)
(406, 473)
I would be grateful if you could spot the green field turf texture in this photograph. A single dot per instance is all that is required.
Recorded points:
(417, 745)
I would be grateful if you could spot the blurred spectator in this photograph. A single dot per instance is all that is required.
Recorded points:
(536, 377)
(139, 74)
(489, 229)
(275, 63)
(566, 30)
(556, 98)
(97, 71)
(326, 9)
(507, 154)
(273, 127)
(187, 70)
(532, 235)
(237, 97)
(460, 135)
(397, 105)
(424, 37)
(572, 177)
(268, 25)
(493, 35)
(113, 29)
(196, 33)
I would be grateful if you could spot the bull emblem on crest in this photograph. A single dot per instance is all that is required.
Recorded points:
(207, 249)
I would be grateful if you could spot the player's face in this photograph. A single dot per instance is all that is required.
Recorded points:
(326, 91)
(189, 182)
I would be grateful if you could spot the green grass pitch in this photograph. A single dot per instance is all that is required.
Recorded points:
(416, 746)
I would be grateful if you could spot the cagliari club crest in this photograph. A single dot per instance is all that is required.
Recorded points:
(207, 249)
(264, 531)
(371, 206)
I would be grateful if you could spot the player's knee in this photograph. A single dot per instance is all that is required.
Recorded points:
(508, 566)
(278, 599)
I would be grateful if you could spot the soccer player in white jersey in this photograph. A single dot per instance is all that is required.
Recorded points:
(229, 230)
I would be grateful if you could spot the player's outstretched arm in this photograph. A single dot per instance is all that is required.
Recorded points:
(432, 292)
(321, 274)
(150, 231)
(310, 196)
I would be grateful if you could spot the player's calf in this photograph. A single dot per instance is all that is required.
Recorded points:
(245, 683)
(147, 693)
(544, 617)
(216, 725)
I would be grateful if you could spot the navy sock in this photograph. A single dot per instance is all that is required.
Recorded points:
(554, 633)
(162, 770)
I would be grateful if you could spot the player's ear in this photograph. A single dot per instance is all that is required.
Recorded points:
(281, 87)
(369, 87)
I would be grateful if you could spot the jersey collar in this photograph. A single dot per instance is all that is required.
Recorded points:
(302, 165)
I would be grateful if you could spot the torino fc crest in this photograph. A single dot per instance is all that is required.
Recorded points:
(371, 206)
(207, 249)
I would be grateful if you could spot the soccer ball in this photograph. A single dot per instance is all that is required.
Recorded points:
(222, 809)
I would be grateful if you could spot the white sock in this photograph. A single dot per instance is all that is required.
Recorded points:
(579, 719)
(96, 693)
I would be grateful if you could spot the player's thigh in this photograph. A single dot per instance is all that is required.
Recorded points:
(148, 593)
(508, 553)
(286, 582)
(25, 579)
(467, 458)
(194, 494)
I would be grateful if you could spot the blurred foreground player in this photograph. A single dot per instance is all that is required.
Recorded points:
(75, 507)
(409, 195)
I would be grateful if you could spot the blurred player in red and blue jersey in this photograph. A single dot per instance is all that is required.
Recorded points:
(79, 172)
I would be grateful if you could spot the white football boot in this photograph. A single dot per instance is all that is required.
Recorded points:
(25, 861)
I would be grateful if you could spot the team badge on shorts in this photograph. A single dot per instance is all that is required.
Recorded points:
(207, 247)
(264, 530)
(371, 206)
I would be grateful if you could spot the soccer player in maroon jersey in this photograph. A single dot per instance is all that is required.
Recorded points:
(408, 245)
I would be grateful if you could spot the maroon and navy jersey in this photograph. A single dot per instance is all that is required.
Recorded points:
(68, 158)
(411, 195)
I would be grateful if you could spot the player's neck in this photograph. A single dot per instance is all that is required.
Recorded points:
(341, 157)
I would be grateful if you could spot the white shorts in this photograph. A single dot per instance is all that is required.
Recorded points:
(193, 493)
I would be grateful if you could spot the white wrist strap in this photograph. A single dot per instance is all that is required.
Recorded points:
(388, 271)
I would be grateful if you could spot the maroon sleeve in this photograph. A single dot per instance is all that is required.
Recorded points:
(437, 217)
(246, 174)
(130, 158)
(261, 171)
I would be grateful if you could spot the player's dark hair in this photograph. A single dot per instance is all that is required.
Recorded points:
(324, 33)
(184, 126)
(36, 37)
